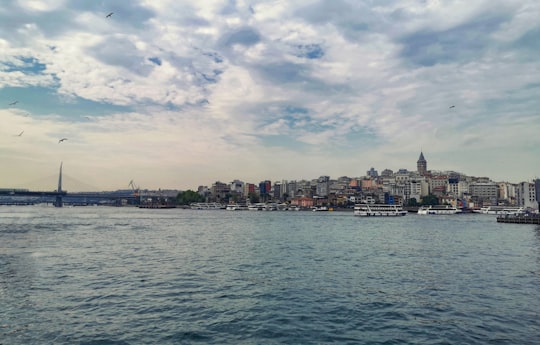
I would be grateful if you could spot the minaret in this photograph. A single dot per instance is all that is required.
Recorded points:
(421, 164)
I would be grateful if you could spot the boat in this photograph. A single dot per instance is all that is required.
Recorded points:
(271, 207)
(439, 209)
(378, 210)
(236, 207)
(257, 206)
(206, 206)
(501, 210)
(320, 208)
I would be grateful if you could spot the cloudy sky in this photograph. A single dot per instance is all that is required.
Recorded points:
(177, 94)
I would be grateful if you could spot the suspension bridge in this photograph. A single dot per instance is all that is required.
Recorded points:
(59, 197)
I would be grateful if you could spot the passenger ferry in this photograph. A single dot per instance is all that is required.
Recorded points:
(439, 209)
(501, 210)
(378, 210)
(206, 206)
(236, 207)
(257, 206)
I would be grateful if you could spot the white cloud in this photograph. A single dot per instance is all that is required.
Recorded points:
(185, 93)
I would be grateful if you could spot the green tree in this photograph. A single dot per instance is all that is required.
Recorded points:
(412, 202)
(187, 197)
(253, 198)
(430, 200)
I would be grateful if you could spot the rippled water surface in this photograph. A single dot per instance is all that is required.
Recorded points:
(99, 275)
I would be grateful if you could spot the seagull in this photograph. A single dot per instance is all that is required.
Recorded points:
(63, 139)
(453, 106)
(13, 103)
(20, 134)
(108, 15)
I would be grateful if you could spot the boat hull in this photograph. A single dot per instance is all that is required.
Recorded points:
(378, 210)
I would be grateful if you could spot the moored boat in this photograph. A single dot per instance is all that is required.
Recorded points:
(206, 206)
(236, 207)
(257, 206)
(378, 210)
(439, 209)
(501, 210)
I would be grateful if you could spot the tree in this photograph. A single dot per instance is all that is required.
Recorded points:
(187, 197)
(412, 202)
(430, 200)
(253, 198)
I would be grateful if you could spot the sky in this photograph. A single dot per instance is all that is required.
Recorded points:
(174, 94)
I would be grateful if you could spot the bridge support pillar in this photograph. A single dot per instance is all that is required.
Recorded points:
(58, 202)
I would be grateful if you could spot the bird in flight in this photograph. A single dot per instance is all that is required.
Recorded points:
(453, 106)
(13, 103)
(20, 134)
(109, 15)
(63, 139)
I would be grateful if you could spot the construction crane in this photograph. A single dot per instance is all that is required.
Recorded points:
(134, 187)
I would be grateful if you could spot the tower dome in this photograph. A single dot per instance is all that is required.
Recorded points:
(421, 164)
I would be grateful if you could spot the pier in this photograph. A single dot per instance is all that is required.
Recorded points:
(527, 218)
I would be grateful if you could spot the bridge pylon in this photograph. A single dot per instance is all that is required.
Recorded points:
(59, 202)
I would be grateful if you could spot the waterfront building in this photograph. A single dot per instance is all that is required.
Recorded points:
(220, 191)
(537, 191)
(284, 190)
(323, 186)
(205, 192)
(292, 189)
(237, 187)
(303, 201)
(402, 176)
(418, 188)
(265, 188)
(249, 188)
(369, 184)
(304, 188)
(526, 195)
(452, 188)
(355, 184)
(437, 184)
(507, 193)
(276, 191)
(484, 191)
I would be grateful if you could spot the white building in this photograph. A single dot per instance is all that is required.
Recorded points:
(526, 195)
(484, 190)
(237, 186)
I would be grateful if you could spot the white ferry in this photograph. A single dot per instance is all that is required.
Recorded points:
(501, 210)
(257, 206)
(206, 206)
(439, 209)
(236, 207)
(378, 210)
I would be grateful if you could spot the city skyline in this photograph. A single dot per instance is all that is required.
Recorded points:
(422, 170)
(175, 94)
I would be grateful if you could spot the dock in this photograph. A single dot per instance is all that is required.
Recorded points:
(527, 218)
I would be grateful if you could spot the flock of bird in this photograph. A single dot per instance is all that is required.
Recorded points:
(15, 102)
(20, 134)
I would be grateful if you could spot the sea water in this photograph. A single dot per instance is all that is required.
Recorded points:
(105, 275)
